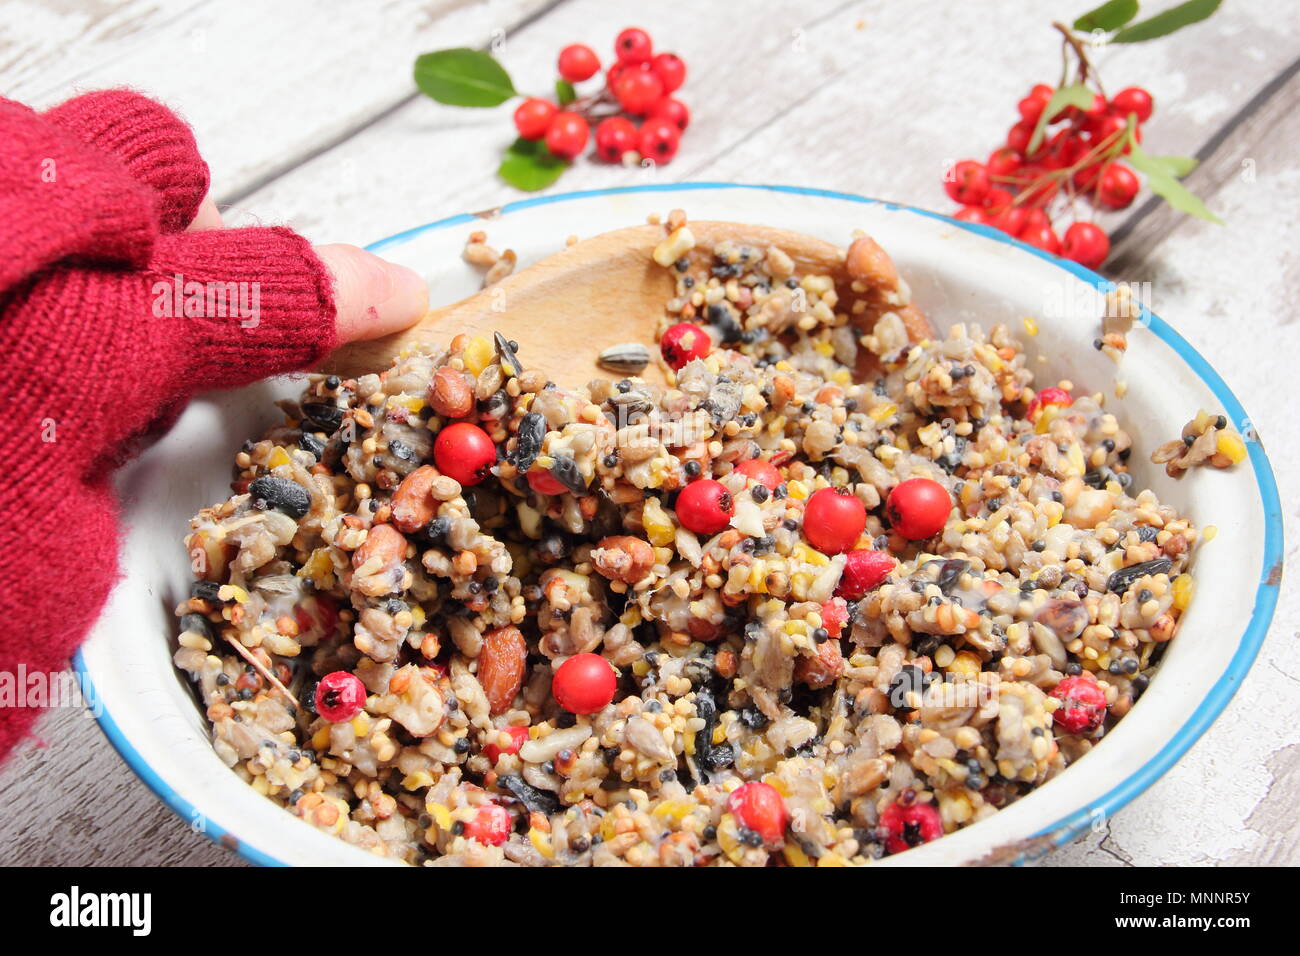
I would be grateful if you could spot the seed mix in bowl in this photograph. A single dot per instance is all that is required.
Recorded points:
(771, 613)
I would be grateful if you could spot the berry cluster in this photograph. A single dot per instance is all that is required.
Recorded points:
(639, 84)
(1019, 183)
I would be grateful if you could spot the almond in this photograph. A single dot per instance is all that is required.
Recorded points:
(384, 542)
(865, 260)
(823, 668)
(413, 503)
(501, 665)
(623, 557)
(450, 394)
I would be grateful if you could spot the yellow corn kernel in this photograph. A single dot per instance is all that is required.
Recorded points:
(841, 377)
(799, 584)
(278, 457)
(719, 734)
(361, 725)
(881, 412)
(414, 781)
(783, 366)
(478, 354)
(675, 810)
(321, 739)
(758, 577)
(411, 403)
(1231, 447)
(232, 592)
(824, 348)
(831, 859)
(1184, 588)
(729, 838)
(542, 841)
(1209, 533)
(795, 856)
(1031, 327)
(441, 815)
(797, 489)
(631, 618)
(658, 526)
(966, 663)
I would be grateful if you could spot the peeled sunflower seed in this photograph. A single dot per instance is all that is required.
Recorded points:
(630, 358)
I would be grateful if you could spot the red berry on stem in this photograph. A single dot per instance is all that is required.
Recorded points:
(1032, 106)
(567, 136)
(1012, 220)
(864, 569)
(638, 91)
(490, 825)
(671, 70)
(1117, 186)
(833, 520)
(1035, 219)
(1004, 162)
(760, 807)
(1041, 237)
(615, 136)
(632, 46)
(340, 696)
(1048, 396)
(533, 117)
(1085, 243)
(1113, 125)
(674, 111)
(584, 684)
(659, 140)
(684, 342)
(1018, 137)
(1133, 99)
(705, 506)
(906, 826)
(976, 214)
(465, 452)
(918, 508)
(967, 182)
(998, 200)
(578, 62)
(1083, 704)
(760, 470)
(495, 751)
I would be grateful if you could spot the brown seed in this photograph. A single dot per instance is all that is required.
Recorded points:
(450, 394)
(383, 541)
(501, 665)
(413, 502)
(865, 260)
(623, 557)
(1065, 617)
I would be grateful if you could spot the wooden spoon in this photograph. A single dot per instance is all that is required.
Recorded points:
(607, 290)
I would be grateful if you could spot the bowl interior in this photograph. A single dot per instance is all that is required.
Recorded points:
(957, 274)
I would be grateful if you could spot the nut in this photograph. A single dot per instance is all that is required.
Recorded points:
(823, 668)
(501, 665)
(383, 544)
(413, 503)
(623, 558)
(865, 260)
(450, 393)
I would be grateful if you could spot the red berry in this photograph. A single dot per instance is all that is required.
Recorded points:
(835, 614)
(567, 136)
(1012, 220)
(1042, 89)
(1004, 162)
(1040, 188)
(615, 136)
(967, 182)
(1133, 99)
(1032, 106)
(760, 807)
(490, 825)
(578, 62)
(671, 69)
(1048, 396)
(1019, 136)
(1096, 110)
(864, 569)
(495, 751)
(659, 140)
(638, 91)
(340, 696)
(545, 483)
(1086, 243)
(1084, 179)
(533, 117)
(674, 111)
(704, 506)
(1035, 219)
(1117, 186)
(976, 214)
(918, 508)
(911, 825)
(833, 520)
(1041, 237)
(464, 452)
(1112, 124)
(998, 200)
(632, 46)
(762, 471)
(584, 684)
(1083, 704)
(684, 342)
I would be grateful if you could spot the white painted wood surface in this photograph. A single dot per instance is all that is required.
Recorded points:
(306, 114)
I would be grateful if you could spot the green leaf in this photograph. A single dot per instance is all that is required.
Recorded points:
(1162, 24)
(1162, 182)
(529, 165)
(1076, 94)
(564, 92)
(1107, 17)
(463, 77)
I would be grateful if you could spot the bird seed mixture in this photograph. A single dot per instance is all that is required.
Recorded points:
(773, 613)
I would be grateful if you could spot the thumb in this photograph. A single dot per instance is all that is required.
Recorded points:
(372, 296)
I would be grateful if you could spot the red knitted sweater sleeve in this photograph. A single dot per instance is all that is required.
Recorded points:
(111, 316)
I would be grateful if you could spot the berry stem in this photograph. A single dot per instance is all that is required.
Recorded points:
(1085, 65)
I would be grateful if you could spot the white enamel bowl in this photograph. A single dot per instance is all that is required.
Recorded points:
(957, 273)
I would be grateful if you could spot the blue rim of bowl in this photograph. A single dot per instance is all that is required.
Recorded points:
(1065, 829)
